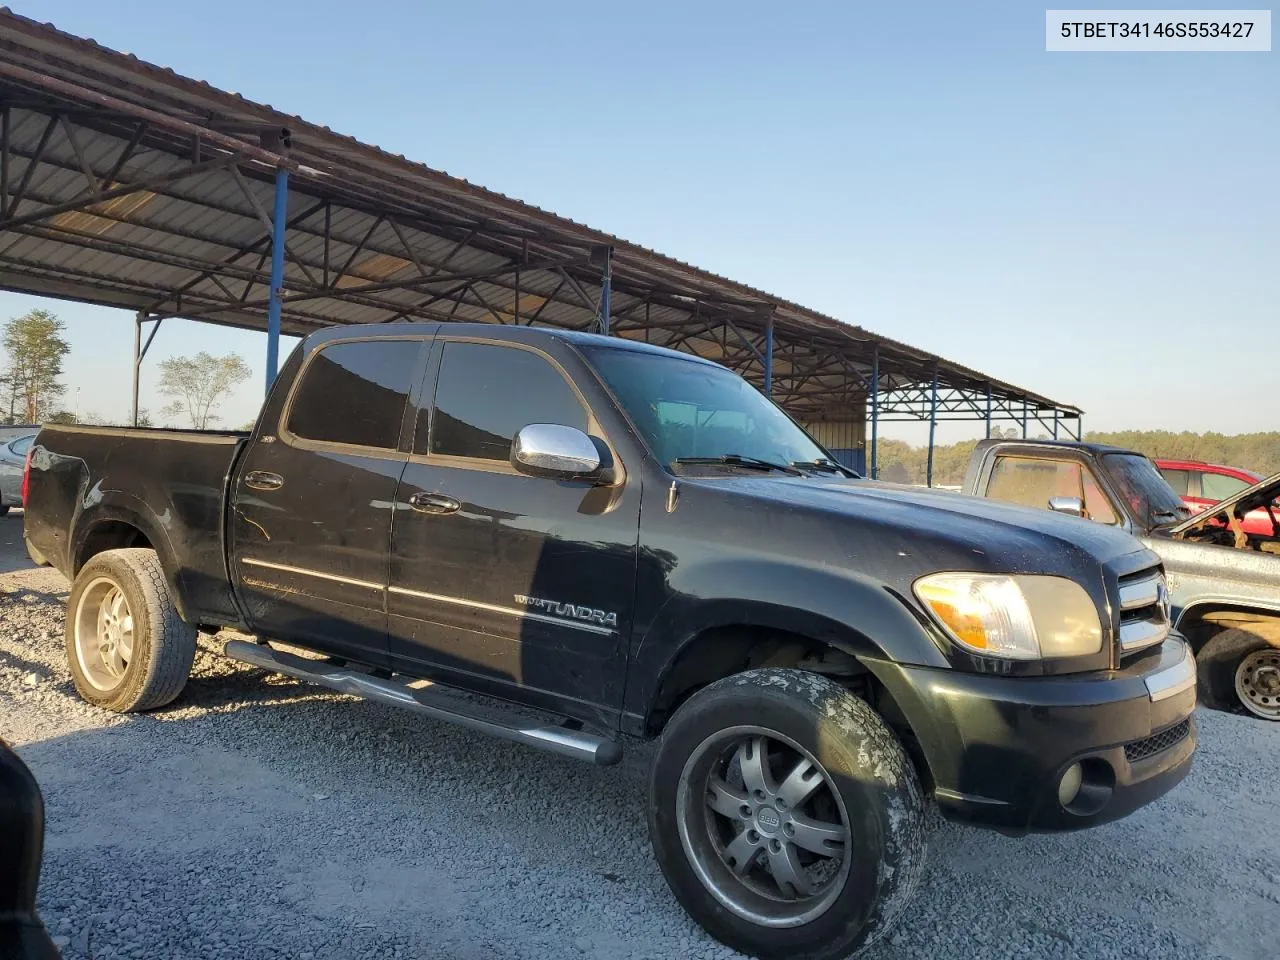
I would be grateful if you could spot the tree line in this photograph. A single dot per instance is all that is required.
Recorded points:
(31, 388)
(901, 462)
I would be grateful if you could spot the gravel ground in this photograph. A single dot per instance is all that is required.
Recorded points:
(264, 818)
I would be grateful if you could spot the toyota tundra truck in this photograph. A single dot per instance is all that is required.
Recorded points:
(583, 541)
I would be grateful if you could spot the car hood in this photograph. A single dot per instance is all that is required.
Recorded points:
(1012, 538)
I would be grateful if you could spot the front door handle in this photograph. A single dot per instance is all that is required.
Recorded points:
(262, 480)
(434, 503)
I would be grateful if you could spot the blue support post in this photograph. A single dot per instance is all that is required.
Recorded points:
(875, 412)
(933, 426)
(277, 273)
(988, 411)
(1024, 418)
(768, 357)
(1055, 424)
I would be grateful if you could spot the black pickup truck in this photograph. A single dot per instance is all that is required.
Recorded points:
(637, 544)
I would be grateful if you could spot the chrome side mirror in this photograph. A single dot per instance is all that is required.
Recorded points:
(1071, 506)
(552, 450)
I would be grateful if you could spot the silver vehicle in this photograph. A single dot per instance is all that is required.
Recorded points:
(13, 457)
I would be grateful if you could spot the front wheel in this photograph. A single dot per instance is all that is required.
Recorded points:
(127, 648)
(786, 817)
(1239, 670)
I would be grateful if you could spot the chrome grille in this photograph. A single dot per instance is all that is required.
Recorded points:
(1144, 611)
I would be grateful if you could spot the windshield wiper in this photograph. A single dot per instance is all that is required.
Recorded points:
(737, 460)
(823, 466)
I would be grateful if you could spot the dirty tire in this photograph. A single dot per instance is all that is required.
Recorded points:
(163, 646)
(864, 764)
(1216, 665)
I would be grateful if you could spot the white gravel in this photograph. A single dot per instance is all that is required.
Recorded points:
(264, 818)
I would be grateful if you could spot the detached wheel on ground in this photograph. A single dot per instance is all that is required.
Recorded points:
(126, 645)
(786, 816)
(1239, 670)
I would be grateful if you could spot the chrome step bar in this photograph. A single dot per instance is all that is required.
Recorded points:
(435, 701)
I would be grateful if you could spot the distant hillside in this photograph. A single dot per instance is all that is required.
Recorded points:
(1259, 452)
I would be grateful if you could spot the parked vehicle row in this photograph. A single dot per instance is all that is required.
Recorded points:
(634, 542)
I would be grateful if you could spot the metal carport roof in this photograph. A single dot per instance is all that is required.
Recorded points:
(128, 185)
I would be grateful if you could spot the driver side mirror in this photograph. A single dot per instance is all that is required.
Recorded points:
(555, 451)
(1071, 506)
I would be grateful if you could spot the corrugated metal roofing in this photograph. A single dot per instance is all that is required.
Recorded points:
(372, 236)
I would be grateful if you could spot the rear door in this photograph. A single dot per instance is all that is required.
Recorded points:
(506, 580)
(313, 498)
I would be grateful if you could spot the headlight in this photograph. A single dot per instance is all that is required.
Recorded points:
(1015, 617)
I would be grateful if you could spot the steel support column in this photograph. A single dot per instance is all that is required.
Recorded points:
(278, 227)
(137, 364)
(1024, 418)
(988, 411)
(603, 255)
(768, 357)
(875, 412)
(1055, 424)
(933, 426)
(139, 354)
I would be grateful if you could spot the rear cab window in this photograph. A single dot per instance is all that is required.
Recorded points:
(353, 394)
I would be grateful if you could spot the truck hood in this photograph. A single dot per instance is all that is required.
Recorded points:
(943, 526)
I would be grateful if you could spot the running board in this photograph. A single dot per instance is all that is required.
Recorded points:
(435, 701)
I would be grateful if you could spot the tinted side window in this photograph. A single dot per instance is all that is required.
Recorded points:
(1180, 480)
(486, 393)
(1219, 486)
(355, 393)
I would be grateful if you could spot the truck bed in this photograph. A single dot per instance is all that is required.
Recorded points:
(89, 483)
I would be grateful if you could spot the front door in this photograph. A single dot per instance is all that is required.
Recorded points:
(313, 499)
(507, 580)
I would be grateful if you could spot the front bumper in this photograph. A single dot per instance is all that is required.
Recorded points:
(997, 747)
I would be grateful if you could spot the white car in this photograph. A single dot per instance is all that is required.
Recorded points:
(13, 457)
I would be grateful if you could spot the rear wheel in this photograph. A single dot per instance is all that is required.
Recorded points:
(1240, 670)
(127, 648)
(786, 816)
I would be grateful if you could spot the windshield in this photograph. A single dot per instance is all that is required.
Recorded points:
(1150, 498)
(685, 408)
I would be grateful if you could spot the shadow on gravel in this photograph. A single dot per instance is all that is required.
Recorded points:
(21, 663)
(16, 595)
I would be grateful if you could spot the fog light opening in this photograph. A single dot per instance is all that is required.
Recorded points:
(1086, 787)
(1069, 785)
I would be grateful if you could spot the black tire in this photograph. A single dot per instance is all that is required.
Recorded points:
(879, 798)
(162, 646)
(4, 509)
(1216, 666)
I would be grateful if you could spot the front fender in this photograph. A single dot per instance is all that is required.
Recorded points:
(833, 606)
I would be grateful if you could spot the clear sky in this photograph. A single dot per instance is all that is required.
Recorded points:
(1100, 228)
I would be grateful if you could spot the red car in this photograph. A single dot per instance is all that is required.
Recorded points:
(1201, 485)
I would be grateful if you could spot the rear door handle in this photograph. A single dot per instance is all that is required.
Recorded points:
(262, 480)
(434, 503)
